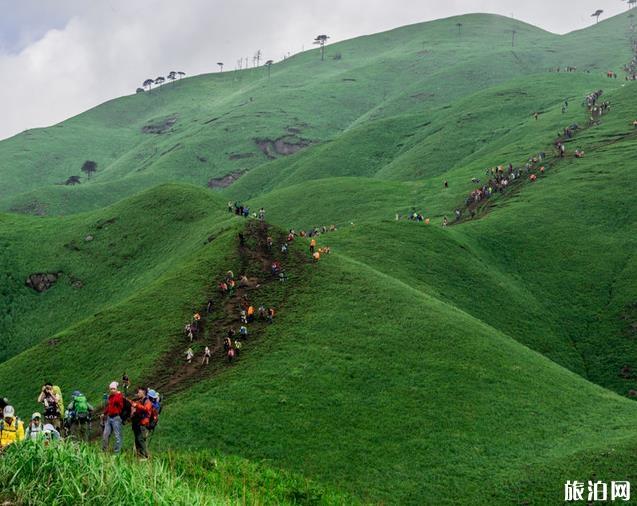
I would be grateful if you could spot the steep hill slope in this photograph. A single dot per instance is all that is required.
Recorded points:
(210, 126)
(486, 362)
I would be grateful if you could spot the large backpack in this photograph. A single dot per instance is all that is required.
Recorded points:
(80, 405)
(126, 410)
(153, 418)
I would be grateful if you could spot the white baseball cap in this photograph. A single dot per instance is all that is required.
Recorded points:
(114, 384)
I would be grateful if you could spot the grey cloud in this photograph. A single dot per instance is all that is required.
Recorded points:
(89, 52)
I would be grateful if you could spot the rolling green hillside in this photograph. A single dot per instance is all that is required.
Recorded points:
(486, 362)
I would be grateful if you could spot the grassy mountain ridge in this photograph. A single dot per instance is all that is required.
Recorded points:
(481, 363)
(218, 117)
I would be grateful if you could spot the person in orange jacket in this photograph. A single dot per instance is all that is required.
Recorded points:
(140, 418)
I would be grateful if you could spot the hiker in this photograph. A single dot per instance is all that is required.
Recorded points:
(125, 382)
(244, 282)
(237, 346)
(11, 428)
(140, 418)
(231, 333)
(446, 184)
(250, 314)
(269, 242)
(276, 266)
(536, 115)
(206, 356)
(155, 402)
(312, 245)
(271, 314)
(532, 178)
(243, 332)
(223, 288)
(79, 412)
(227, 344)
(231, 286)
(243, 317)
(283, 277)
(261, 214)
(230, 206)
(35, 429)
(316, 256)
(635, 123)
(52, 405)
(262, 312)
(112, 417)
(189, 332)
(189, 355)
(284, 248)
(231, 353)
(579, 153)
(445, 221)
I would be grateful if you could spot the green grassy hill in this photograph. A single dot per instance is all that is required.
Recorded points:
(482, 363)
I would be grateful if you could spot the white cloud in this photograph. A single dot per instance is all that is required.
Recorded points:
(106, 49)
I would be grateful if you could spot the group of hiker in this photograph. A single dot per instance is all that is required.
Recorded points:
(57, 421)
(243, 210)
(232, 343)
(501, 177)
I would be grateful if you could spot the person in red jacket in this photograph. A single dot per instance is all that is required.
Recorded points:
(140, 418)
(113, 418)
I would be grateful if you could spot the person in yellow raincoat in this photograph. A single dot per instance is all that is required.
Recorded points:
(11, 428)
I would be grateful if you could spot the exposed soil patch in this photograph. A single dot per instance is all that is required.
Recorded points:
(160, 127)
(105, 223)
(287, 145)
(173, 374)
(422, 96)
(227, 180)
(42, 281)
(240, 156)
(36, 208)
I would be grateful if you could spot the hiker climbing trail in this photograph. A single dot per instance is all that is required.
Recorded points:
(221, 316)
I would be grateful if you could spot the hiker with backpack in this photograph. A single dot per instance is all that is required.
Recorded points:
(36, 431)
(206, 356)
(52, 405)
(312, 246)
(79, 413)
(141, 413)
(113, 417)
(125, 383)
(189, 355)
(11, 428)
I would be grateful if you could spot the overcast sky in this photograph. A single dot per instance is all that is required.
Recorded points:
(61, 57)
